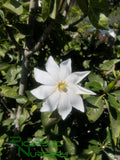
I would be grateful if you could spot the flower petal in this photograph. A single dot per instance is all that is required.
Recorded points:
(51, 103)
(64, 106)
(72, 87)
(85, 91)
(52, 68)
(77, 102)
(43, 91)
(43, 77)
(65, 69)
(76, 77)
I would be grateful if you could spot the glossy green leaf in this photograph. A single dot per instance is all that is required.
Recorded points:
(12, 75)
(94, 86)
(14, 6)
(34, 107)
(116, 94)
(7, 122)
(21, 99)
(24, 117)
(114, 115)
(99, 20)
(94, 108)
(93, 157)
(97, 13)
(4, 66)
(46, 5)
(98, 157)
(39, 133)
(9, 92)
(113, 101)
(109, 64)
(54, 11)
(96, 77)
(69, 146)
(101, 5)
(49, 120)
(2, 52)
(111, 156)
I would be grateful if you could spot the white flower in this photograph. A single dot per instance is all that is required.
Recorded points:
(60, 87)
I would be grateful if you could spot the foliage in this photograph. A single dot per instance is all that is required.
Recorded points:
(27, 38)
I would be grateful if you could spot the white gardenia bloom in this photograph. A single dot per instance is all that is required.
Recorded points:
(60, 87)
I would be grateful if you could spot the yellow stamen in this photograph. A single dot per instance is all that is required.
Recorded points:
(62, 86)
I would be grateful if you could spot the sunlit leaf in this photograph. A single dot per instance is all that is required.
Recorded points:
(69, 146)
(14, 6)
(109, 64)
(94, 108)
(9, 92)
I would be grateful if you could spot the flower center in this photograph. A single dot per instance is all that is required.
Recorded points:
(62, 86)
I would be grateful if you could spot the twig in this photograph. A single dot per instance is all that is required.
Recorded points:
(41, 40)
(2, 101)
(67, 27)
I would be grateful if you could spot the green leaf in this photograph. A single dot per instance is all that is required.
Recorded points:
(4, 66)
(34, 107)
(96, 77)
(69, 146)
(116, 94)
(24, 117)
(1, 116)
(94, 108)
(1, 141)
(46, 5)
(111, 156)
(94, 85)
(2, 52)
(21, 99)
(101, 5)
(99, 20)
(55, 9)
(109, 64)
(114, 114)
(7, 122)
(83, 5)
(113, 101)
(12, 75)
(39, 133)
(52, 147)
(14, 6)
(49, 120)
(2, 14)
(98, 157)
(93, 157)
(9, 92)
(97, 11)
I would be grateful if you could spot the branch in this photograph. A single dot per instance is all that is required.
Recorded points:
(2, 101)
(41, 40)
(67, 27)
(78, 21)
(68, 2)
